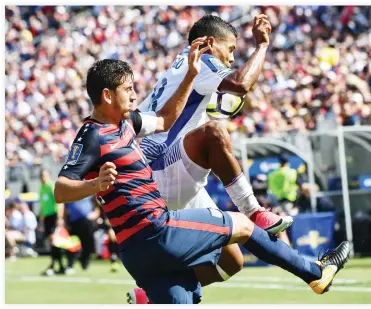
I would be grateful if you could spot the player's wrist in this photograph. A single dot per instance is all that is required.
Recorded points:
(95, 185)
(262, 45)
(191, 75)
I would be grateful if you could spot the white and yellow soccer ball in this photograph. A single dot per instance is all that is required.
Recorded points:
(224, 105)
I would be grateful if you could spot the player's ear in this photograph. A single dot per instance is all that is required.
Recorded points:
(106, 96)
(210, 41)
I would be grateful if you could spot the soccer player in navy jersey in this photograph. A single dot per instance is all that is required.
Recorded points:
(161, 248)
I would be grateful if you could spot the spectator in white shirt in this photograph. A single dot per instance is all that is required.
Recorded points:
(29, 224)
(13, 227)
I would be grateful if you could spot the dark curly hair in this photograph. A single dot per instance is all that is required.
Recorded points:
(107, 73)
(211, 25)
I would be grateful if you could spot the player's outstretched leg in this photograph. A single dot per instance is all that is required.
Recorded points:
(318, 275)
(209, 146)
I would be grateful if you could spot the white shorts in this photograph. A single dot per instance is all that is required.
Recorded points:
(201, 200)
(180, 181)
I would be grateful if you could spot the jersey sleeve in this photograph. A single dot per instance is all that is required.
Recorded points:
(84, 154)
(136, 120)
(213, 71)
(145, 105)
(144, 123)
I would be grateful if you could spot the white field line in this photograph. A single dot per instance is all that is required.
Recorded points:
(227, 284)
(289, 287)
(278, 279)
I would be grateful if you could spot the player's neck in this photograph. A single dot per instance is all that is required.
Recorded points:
(103, 117)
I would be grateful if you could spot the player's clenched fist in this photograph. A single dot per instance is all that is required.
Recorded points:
(107, 176)
(261, 29)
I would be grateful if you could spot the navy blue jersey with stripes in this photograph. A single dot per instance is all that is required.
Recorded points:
(133, 204)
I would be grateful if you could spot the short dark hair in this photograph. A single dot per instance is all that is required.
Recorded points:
(284, 159)
(211, 25)
(107, 73)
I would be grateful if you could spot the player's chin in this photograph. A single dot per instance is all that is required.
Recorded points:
(127, 109)
(131, 107)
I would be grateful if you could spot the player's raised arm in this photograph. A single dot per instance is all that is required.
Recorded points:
(241, 80)
(172, 109)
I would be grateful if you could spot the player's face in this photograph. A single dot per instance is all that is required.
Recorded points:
(44, 176)
(124, 98)
(223, 49)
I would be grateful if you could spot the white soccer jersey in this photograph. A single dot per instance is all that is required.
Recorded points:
(213, 71)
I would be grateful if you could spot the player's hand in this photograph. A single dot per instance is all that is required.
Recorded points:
(261, 29)
(194, 55)
(107, 176)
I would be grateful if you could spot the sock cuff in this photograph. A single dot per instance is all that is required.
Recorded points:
(222, 273)
(233, 181)
(239, 187)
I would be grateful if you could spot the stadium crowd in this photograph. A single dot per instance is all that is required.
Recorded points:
(317, 67)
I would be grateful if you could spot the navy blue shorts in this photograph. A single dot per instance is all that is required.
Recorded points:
(162, 264)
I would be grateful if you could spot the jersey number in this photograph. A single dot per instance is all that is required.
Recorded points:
(157, 93)
(178, 62)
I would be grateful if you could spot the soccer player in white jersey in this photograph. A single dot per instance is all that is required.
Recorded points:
(182, 158)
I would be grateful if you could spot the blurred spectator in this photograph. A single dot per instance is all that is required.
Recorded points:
(114, 250)
(7, 193)
(80, 217)
(28, 227)
(13, 229)
(317, 67)
(304, 203)
(13, 215)
(105, 232)
(282, 182)
(50, 217)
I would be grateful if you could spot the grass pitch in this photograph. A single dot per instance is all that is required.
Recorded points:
(260, 285)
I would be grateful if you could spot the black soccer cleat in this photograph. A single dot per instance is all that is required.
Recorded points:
(330, 264)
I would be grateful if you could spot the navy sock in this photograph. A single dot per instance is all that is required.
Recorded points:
(274, 251)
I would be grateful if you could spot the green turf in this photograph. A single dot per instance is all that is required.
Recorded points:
(98, 286)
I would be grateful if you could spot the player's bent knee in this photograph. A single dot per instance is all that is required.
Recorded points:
(242, 228)
(216, 133)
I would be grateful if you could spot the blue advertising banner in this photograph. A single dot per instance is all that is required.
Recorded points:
(361, 182)
(313, 233)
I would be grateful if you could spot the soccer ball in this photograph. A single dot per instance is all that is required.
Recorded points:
(224, 105)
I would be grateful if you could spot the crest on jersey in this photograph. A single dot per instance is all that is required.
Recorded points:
(74, 154)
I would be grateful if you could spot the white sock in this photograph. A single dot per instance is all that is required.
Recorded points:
(241, 194)
(222, 273)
